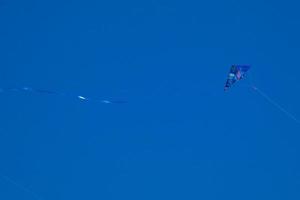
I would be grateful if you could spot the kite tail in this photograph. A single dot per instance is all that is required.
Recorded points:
(274, 103)
(61, 94)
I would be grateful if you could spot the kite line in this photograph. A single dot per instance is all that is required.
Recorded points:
(21, 187)
(274, 103)
(238, 72)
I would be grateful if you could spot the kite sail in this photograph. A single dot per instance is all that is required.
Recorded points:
(236, 73)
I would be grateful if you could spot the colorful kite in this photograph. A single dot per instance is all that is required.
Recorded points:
(236, 73)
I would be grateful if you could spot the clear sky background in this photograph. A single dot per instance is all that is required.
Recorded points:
(179, 136)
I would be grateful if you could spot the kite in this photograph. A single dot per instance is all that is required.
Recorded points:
(236, 73)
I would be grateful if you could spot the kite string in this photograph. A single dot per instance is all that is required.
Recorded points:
(21, 187)
(274, 103)
(270, 100)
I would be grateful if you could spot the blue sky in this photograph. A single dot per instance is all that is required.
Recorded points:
(179, 136)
